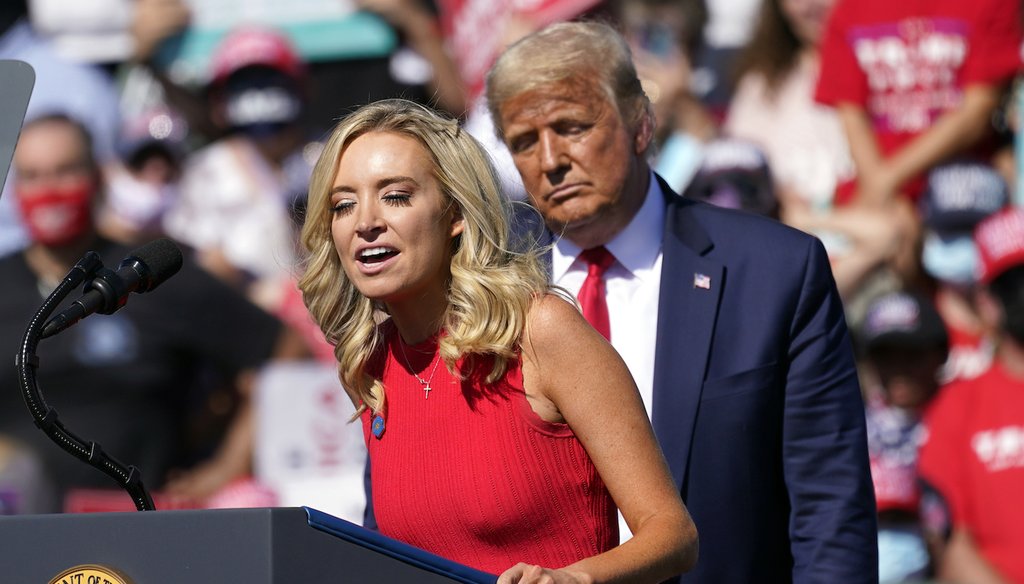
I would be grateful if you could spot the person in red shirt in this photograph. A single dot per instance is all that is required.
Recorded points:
(915, 82)
(972, 462)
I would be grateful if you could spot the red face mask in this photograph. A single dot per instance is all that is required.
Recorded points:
(55, 217)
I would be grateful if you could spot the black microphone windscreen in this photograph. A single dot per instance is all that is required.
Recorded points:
(163, 259)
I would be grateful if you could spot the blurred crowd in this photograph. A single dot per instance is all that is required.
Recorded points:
(887, 129)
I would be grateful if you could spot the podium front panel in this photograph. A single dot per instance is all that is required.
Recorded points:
(255, 546)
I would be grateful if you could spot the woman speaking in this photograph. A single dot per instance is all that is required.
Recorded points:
(503, 431)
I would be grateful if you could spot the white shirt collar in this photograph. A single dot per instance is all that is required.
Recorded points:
(636, 247)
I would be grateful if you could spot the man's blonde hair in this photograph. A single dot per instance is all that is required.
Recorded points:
(569, 53)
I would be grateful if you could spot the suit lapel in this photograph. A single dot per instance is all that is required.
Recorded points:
(691, 288)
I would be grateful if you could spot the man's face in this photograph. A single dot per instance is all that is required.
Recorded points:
(581, 163)
(55, 183)
(51, 155)
(909, 375)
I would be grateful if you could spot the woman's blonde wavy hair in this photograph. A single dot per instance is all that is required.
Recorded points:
(491, 286)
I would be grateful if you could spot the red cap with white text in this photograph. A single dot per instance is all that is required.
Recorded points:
(1000, 241)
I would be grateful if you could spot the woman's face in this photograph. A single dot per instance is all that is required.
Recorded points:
(807, 17)
(392, 225)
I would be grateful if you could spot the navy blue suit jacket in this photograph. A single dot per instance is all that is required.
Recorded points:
(757, 405)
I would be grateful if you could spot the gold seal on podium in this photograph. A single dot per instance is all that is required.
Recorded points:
(90, 574)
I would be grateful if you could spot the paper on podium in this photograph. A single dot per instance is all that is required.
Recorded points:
(16, 81)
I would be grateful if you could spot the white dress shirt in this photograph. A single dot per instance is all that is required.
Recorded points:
(631, 285)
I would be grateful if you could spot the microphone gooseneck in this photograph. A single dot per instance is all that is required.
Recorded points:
(142, 271)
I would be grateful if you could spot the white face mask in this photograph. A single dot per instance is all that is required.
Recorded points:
(954, 261)
(140, 204)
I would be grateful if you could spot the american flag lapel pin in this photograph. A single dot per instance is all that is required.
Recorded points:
(702, 281)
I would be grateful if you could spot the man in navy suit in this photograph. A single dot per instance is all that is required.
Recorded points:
(730, 323)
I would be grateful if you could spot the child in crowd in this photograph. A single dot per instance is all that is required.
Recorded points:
(905, 344)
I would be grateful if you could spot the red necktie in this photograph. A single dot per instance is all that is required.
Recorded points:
(592, 294)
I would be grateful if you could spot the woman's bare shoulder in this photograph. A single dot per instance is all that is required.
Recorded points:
(555, 327)
(550, 316)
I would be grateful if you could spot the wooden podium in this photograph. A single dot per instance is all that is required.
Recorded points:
(253, 546)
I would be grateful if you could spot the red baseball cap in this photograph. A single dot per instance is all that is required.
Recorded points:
(253, 46)
(1000, 242)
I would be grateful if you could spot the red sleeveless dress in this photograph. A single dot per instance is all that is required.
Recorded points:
(471, 473)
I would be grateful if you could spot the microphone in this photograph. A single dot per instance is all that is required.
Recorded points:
(143, 270)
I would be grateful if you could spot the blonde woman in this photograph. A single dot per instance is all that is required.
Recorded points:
(502, 429)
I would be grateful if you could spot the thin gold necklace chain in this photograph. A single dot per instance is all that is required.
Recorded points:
(425, 384)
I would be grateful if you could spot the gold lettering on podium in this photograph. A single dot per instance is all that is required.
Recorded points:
(90, 574)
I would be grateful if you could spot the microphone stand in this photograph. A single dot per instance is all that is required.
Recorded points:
(27, 362)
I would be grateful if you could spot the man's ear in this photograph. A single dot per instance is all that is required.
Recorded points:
(644, 132)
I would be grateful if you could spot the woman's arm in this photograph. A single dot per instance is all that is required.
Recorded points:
(572, 374)
(879, 179)
(867, 156)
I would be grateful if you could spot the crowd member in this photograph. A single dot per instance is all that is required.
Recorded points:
(973, 459)
(664, 38)
(904, 344)
(915, 84)
(745, 363)
(421, 34)
(774, 107)
(406, 216)
(238, 193)
(727, 30)
(93, 99)
(123, 380)
(145, 76)
(142, 184)
(734, 174)
(956, 198)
